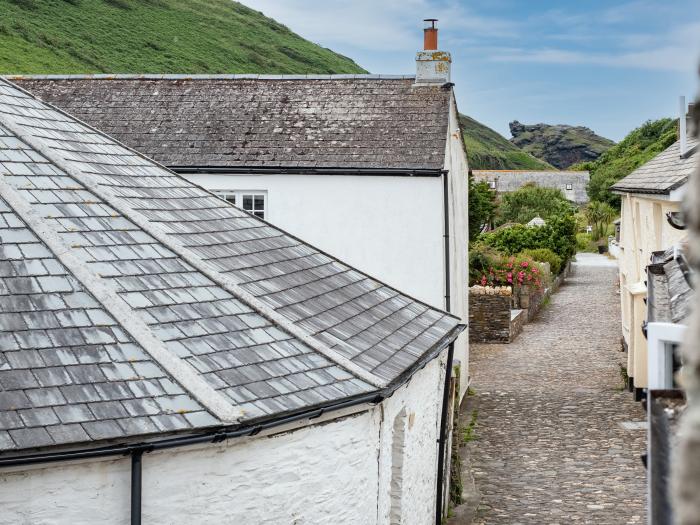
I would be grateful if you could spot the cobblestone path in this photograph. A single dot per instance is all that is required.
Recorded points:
(550, 447)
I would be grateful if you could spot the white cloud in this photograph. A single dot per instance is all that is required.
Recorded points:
(677, 50)
(379, 25)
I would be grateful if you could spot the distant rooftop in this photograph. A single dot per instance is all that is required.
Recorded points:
(662, 174)
(262, 121)
(134, 303)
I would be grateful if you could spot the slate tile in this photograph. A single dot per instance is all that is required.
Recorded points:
(38, 417)
(17, 379)
(50, 396)
(85, 374)
(6, 442)
(73, 413)
(10, 420)
(137, 426)
(80, 393)
(68, 433)
(31, 437)
(102, 429)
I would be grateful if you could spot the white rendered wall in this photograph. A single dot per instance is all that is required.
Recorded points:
(643, 231)
(456, 164)
(335, 472)
(388, 227)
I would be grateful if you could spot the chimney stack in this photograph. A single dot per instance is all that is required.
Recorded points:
(430, 41)
(432, 66)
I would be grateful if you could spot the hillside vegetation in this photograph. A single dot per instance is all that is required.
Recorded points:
(488, 150)
(153, 36)
(560, 145)
(640, 146)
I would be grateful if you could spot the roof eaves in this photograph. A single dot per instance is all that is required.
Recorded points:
(184, 76)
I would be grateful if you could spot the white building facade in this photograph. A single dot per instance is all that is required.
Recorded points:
(651, 196)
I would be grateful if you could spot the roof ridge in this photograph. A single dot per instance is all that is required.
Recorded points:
(187, 255)
(117, 307)
(228, 76)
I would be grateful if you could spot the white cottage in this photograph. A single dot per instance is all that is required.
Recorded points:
(651, 201)
(370, 168)
(168, 358)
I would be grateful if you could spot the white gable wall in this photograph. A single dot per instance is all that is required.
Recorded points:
(456, 165)
(389, 227)
(335, 472)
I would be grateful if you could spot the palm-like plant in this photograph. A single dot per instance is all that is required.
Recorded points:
(599, 215)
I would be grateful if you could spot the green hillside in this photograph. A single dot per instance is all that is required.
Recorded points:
(640, 146)
(153, 36)
(487, 150)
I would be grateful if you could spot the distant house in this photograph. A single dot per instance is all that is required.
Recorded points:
(571, 183)
(370, 168)
(165, 355)
(651, 197)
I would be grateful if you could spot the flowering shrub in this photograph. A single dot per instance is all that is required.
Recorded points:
(515, 271)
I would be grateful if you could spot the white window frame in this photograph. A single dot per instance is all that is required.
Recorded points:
(236, 197)
(569, 187)
(492, 184)
(661, 337)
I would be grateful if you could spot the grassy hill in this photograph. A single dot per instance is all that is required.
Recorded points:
(487, 150)
(153, 36)
(640, 146)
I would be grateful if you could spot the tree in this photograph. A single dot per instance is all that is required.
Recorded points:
(640, 146)
(599, 215)
(482, 206)
(530, 201)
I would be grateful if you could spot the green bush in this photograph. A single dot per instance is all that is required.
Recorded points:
(481, 259)
(545, 255)
(558, 235)
(531, 201)
(584, 243)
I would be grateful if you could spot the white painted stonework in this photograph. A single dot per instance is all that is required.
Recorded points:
(337, 471)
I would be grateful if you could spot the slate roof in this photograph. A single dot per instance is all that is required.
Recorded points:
(662, 174)
(134, 302)
(346, 121)
(669, 295)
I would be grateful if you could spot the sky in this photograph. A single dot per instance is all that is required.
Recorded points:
(608, 65)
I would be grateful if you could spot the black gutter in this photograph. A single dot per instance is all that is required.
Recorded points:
(299, 170)
(442, 442)
(136, 458)
(446, 237)
(211, 436)
(450, 355)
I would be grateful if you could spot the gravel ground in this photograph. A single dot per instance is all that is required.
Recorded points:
(550, 446)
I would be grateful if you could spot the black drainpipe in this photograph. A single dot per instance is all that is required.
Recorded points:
(442, 441)
(136, 457)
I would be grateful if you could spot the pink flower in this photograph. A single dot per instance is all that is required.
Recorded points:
(524, 264)
(509, 277)
(483, 280)
(534, 270)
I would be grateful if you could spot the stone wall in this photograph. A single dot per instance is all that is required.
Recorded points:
(489, 318)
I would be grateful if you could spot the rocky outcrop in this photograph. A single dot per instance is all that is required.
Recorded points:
(560, 145)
